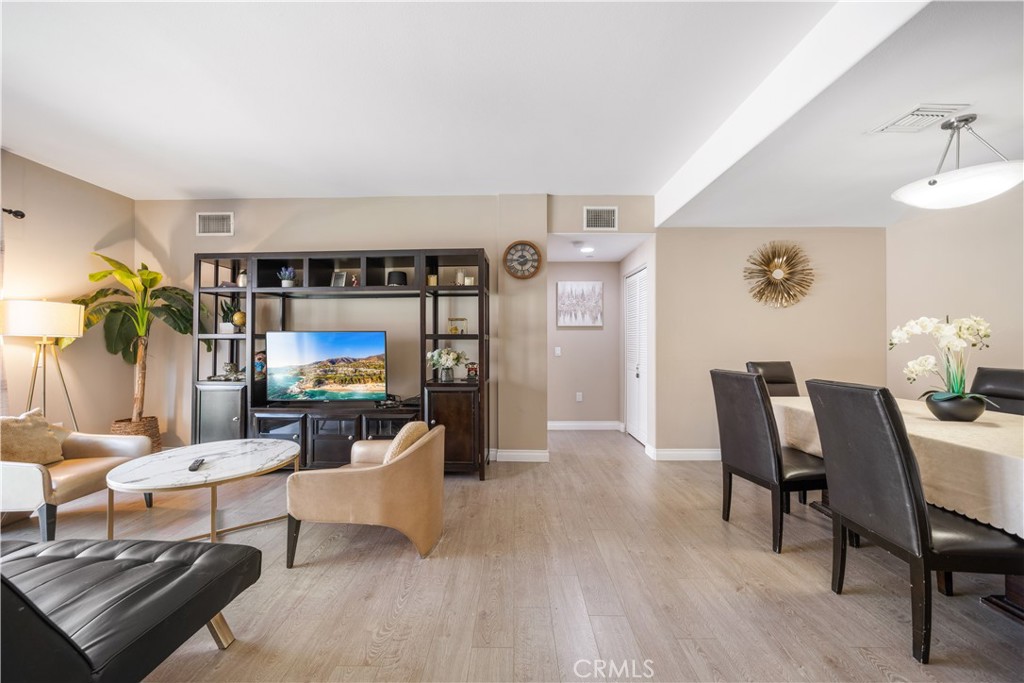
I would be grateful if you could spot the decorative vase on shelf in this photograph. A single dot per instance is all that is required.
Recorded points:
(225, 328)
(956, 409)
(446, 374)
(287, 283)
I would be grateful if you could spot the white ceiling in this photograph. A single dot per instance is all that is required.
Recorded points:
(214, 100)
(607, 246)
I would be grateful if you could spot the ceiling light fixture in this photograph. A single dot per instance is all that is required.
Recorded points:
(962, 186)
(586, 250)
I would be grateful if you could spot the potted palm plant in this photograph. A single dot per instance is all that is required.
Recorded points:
(127, 313)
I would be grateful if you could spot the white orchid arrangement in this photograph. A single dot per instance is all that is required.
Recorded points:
(954, 340)
(446, 358)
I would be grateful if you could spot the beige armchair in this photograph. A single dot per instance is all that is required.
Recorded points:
(28, 487)
(405, 494)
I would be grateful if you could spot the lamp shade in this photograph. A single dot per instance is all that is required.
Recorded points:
(963, 186)
(41, 319)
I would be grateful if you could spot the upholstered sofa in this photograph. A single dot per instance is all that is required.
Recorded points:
(397, 484)
(81, 468)
(112, 610)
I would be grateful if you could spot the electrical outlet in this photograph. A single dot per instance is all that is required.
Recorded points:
(579, 397)
(558, 351)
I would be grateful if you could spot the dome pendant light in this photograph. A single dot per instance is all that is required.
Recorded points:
(962, 186)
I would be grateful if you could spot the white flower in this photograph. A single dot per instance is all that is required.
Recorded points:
(920, 367)
(446, 358)
(898, 336)
(953, 338)
(952, 343)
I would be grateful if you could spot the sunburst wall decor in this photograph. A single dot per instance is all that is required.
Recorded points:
(780, 274)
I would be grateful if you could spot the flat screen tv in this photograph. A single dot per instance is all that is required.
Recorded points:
(327, 366)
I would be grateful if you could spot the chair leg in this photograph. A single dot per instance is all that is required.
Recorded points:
(148, 497)
(785, 502)
(802, 497)
(726, 493)
(778, 502)
(838, 553)
(47, 522)
(293, 540)
(944, 580)
(921, 618)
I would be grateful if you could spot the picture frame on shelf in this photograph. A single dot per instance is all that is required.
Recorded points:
(339, 278)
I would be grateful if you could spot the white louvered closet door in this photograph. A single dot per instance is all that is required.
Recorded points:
(636, 356)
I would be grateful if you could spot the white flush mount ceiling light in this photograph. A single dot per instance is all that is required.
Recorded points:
(962, 186)
(584, 248)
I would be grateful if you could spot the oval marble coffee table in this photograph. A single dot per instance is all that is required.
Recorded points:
(223, 462)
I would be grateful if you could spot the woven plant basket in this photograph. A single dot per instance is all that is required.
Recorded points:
(148, 426)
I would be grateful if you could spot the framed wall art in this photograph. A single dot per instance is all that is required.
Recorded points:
(580, 304)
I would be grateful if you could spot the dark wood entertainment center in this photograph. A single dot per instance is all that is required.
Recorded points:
(238, 407)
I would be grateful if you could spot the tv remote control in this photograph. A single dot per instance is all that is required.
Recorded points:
(196, 464)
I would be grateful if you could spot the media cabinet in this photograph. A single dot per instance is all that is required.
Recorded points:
(437, 278)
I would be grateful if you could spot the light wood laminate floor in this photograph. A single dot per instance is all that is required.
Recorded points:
(601, 554)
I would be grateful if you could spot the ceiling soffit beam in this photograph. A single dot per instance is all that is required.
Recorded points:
(842, 38)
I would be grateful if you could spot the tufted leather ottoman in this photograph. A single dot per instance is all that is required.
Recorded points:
(112, 610)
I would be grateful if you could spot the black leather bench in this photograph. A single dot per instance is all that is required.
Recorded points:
(112, 610)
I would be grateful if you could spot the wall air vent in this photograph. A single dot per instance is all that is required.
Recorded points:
(920, 118)
(601, 218)
(215, 224)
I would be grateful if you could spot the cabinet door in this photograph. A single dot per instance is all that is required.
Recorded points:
(220, 413)
(385, 426)
(330, 441)
(458, 411)
(282, 426)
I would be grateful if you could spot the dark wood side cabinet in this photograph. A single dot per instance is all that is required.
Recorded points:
(220, 412)
(458, 409)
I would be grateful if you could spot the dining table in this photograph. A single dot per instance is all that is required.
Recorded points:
(975, 469)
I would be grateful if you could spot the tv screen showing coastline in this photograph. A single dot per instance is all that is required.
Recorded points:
(326, 366)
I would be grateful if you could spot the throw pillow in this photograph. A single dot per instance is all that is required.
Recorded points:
(407, 436)
(27, 438)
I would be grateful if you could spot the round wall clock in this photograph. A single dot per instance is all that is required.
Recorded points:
(780, 274)
(522, 260)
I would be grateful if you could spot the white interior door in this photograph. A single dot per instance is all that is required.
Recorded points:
(635, 372)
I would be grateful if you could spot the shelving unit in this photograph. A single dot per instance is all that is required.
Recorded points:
(325, 431)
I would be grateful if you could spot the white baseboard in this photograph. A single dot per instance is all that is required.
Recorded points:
(683, 453)
(586, 425)
(506, 455)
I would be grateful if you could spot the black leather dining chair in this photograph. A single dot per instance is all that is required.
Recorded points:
(1003, 386)
(751, 448)
(781, 381)
(778, 375)
(875, 491)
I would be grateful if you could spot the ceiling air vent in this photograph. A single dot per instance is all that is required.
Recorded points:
(920, 118)
(601, 218)
(219, 223)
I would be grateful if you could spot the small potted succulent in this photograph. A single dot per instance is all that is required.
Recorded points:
(227, 313)
(287, 276)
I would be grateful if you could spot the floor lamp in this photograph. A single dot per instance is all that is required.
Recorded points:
(47, 320)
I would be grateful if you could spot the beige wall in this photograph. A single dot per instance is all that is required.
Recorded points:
(706, 318)
(636, 212)
(591, 356)
(47, 256)
(166, 238)
(520, 334)
(958, 262)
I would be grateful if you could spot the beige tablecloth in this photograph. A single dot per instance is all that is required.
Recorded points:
(974, 468)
